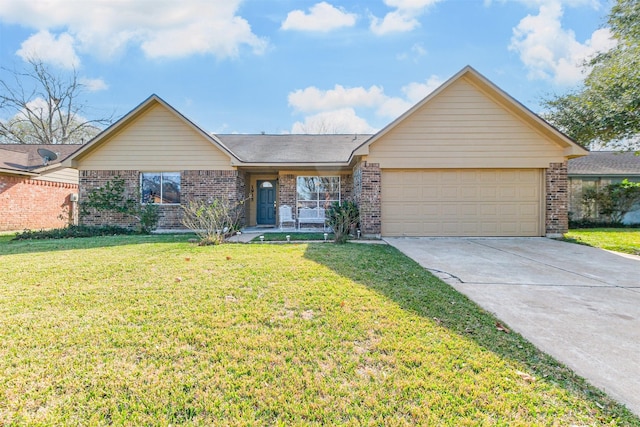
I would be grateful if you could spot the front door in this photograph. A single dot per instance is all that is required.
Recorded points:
(266, 203)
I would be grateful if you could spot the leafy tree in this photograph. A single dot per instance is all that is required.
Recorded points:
(38, 106)
(606, 109)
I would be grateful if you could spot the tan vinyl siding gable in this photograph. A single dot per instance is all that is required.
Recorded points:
(464, 127)
(158, 140)
(65, 175)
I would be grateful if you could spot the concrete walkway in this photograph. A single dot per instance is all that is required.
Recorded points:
(579, 304)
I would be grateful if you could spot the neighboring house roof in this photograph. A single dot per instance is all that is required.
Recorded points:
(571, 148)
(293, 148)
(603, 163)
(23, 159)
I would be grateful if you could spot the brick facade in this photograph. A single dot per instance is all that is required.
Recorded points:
(92, 179)
(557, 199)
(212, 184)
(34, 204)
(194, 185)
(346, 187)
(287, 191)
(366, 194)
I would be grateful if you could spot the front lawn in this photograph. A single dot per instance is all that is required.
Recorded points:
(154, 330)
(625, 240)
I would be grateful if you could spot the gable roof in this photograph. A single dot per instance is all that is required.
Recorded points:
(23, 159)
(332, 148)
(304, 150)
(605, 163)
(571, 148)
(144, 106)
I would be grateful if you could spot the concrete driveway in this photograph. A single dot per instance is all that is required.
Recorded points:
(579, 304)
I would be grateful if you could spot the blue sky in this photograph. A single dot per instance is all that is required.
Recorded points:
(281, 66)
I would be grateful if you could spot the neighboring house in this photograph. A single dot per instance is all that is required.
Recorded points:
(35, 195)
(468, 160)
(599, 169)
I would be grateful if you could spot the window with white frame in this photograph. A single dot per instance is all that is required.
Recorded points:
(318, 191)
(162, 188)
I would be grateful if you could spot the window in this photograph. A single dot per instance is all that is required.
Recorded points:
(160, 187)
(318, 191)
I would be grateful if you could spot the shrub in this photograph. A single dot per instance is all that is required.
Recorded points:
(613, 201)
(213, 222)
(342, 218)
(73, 231)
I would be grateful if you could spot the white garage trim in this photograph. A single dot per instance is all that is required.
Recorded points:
(462, 202)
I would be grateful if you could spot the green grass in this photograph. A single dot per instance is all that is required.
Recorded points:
(282, 237)
(153, 330)
(625, 240)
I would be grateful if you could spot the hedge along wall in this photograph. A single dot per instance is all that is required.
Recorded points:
(32, 204)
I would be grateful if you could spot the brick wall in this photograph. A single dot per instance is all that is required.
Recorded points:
(93, 179)
(194, 185)
(212, 184)
(346, 187)
(556, 189)
(32, 204)
(366, 194)
(287, 192)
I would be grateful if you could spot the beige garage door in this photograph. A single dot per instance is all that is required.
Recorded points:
(467, 202)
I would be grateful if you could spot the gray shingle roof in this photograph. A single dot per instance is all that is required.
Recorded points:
(25, 157)
(292, 148)
(605, 163)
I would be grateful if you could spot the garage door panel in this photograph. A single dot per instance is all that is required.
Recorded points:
(497, 202)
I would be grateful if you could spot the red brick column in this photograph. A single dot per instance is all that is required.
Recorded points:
(557, 211)
(366, 194)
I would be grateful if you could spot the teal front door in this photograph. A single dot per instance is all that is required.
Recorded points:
(266, 203)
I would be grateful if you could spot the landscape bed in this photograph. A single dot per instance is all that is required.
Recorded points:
(154, 330)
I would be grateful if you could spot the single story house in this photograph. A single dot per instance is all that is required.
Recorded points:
(599, 169)
(467, 160)
(35, 192)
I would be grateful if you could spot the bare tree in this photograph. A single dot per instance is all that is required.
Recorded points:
(38, 106)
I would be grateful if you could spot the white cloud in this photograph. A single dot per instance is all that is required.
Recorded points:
(417, 91)
(163, 28)
(344, 120)
(313, 99)
(416, 51)
(552, 52)
(414, 92)
(94, 85)
(335, 109)
(403, 19)
(571, 3)
(323, 17)
(46, 47)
